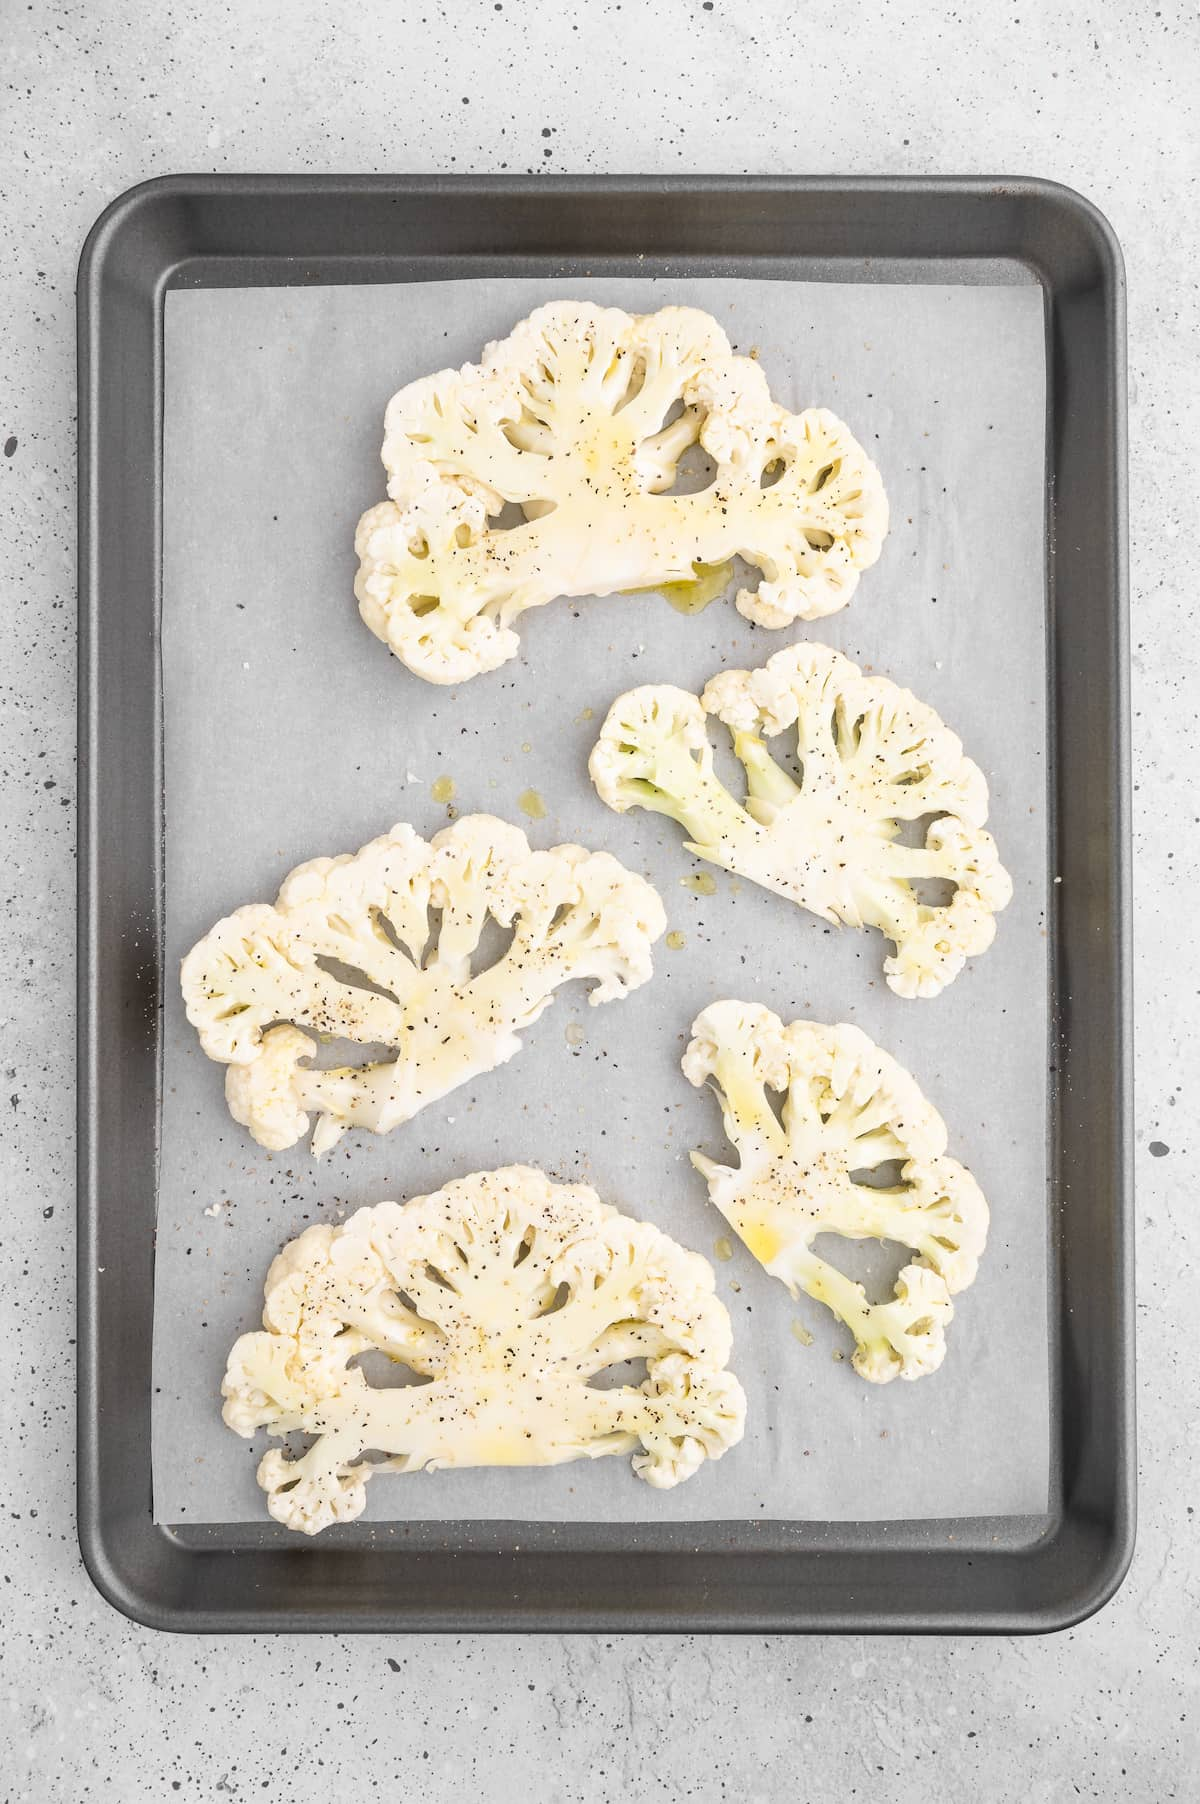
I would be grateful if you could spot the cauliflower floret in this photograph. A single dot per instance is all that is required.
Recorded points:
(347, 952)
(262, 1091)
(565, 420)
(869, 758)
(848, 1108)
(506, 1294)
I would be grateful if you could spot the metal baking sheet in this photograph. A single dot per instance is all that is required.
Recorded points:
(290, 732)
(790, 1573)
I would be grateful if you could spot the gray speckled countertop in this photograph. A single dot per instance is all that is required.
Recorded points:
(98, 96)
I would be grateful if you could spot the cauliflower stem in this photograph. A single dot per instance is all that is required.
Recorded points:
(847, 1109)
(504, 1294)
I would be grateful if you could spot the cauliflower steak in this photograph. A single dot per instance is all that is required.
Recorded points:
(869, 758)
(349, 951)
(576, 422)
(848, 1108)
(504, 1294)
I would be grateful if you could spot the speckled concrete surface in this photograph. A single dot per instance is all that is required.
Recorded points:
(97, 96)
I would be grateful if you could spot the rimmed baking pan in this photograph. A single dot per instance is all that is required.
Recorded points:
(972, 1573)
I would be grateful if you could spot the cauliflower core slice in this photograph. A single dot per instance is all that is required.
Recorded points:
(869, 757)
(577, 422)
(349, 951)
(505, 1294)
(848, 1108)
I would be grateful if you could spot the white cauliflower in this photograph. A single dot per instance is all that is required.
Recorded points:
(869, 757)
(505, 1294)
(578, 420)
(349, 952)
(848, 1108)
